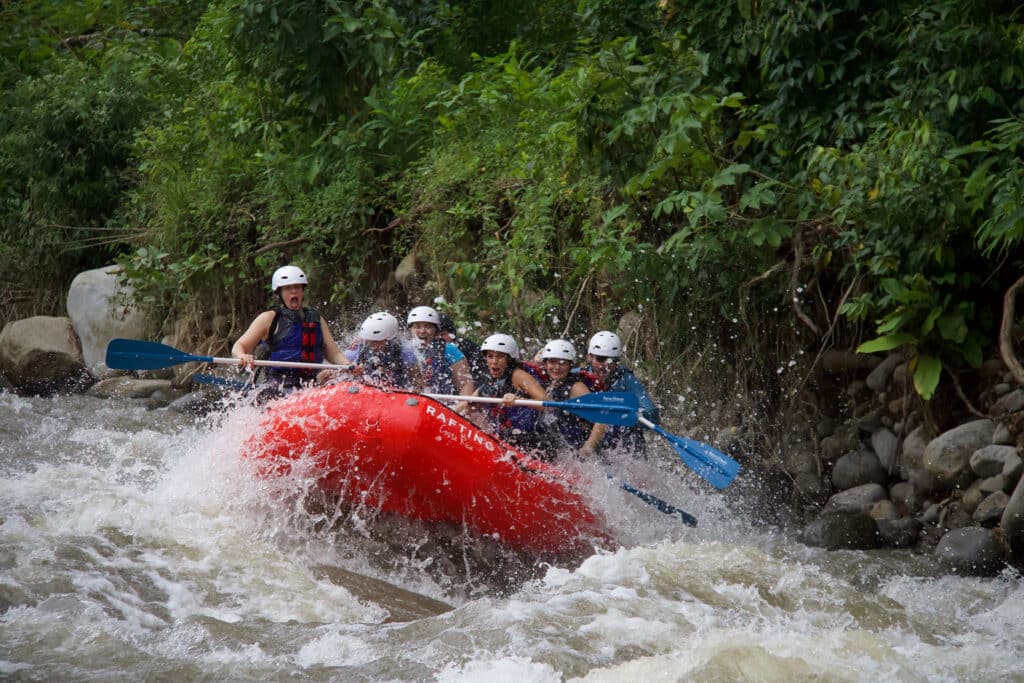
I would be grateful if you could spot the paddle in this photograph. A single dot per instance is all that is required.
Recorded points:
(134, 354)
(658, 503)
(714, 466)
(614, 408)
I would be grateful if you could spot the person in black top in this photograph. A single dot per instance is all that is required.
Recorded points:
(469, 348)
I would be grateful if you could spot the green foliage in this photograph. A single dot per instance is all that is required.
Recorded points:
(80, 79)
(324, 57)
(904, 229)
(995, 187)
(556, 164)
(65, 143)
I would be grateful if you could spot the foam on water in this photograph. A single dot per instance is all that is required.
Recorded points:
(136, 542)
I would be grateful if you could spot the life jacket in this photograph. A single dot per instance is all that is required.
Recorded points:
(295, 336)
(629, 439)
(437, 371)
(589, 379)
(511, 421)
(573, 429)
(537, 370)
(384, 368)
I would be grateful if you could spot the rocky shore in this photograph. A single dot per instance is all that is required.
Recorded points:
(881, 469)
(890, 472)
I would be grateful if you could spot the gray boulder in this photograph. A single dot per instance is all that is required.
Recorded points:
(858, 499)
(990, 460)
(409, 270)
(971, 551)
(41, 354)
(900, 533)
(808, 486)
(885, 445)
(1010, 403)
(838, 530)
(911, 464)
(1012, 523)
(128, 387)
(972, 496)
(1002, 435)
(100, 309)
(884, 509)
(878, 378)
(1012, 471)
(858, 468)
(835, 445)
(990, 510)
(902, 494)
(948, 455)
(198, 402)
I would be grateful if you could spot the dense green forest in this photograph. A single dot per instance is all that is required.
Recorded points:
(748, 182)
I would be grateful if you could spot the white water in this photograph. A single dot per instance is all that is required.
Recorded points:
(135, 544)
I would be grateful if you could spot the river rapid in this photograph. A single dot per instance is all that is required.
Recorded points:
(135, 543)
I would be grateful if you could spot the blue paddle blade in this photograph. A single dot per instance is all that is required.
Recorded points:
(134, 354)
(717, 468)
(619, 408)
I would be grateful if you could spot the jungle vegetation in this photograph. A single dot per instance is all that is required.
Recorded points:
(748, 182)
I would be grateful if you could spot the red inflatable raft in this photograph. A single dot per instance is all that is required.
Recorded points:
(408, 454)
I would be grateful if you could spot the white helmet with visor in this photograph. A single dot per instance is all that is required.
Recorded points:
(606, 344)
(287, 275)
(380, 326)
(503, 343)
(424, 314)
(559, 349)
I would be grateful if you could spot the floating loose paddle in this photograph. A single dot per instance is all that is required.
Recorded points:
(659, 504)
(134, 354)
(614, 408)
(714, 466)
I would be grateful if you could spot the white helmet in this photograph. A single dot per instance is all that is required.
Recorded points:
(559, 348)
(287, 275)
(424, 314)
(379, 326)
(605, 344)
(501, 342)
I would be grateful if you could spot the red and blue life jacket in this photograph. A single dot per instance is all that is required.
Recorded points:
(437, 371)
(295, 336)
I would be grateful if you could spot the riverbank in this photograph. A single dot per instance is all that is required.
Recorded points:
(861, 463)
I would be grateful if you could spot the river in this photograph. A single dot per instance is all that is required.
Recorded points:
(135, 544)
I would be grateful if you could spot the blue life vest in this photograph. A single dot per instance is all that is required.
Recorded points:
(295, 336)
(384, 368)
(629, 438)
(572, 429)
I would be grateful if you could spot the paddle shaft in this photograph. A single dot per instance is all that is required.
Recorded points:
(278, 363)
(528, 402)
(659, 504)
(134, 354)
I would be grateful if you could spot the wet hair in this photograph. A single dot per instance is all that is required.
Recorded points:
(447, 325)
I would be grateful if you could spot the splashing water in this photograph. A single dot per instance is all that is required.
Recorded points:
(135, 542)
